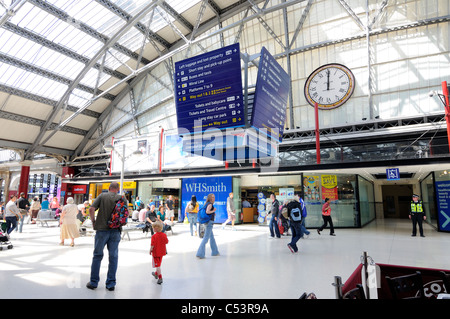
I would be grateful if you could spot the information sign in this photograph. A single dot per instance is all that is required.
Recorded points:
(208, 91)
(271, 96)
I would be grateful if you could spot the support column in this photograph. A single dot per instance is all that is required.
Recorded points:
(24, 178)
(66, 171)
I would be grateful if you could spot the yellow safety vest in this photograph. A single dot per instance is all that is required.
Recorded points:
(416, 207)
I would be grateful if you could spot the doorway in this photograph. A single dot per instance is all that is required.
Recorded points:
(397, 200)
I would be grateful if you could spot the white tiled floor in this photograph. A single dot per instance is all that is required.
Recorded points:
(250, 266)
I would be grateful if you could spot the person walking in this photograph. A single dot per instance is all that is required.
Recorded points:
(24, 206)
(326, 216)
(158, 249)
(69, 222)
(417, 215)
(305, 232)
(12, 214)
(275, 211)
(209, 235)
(105, 236)
(295, 210)
(192, 212)
(231, 211)
(35, 207)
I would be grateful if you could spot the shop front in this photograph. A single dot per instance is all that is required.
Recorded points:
(351, 197)
(157, 192)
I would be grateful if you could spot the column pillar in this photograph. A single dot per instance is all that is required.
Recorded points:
(24, 178)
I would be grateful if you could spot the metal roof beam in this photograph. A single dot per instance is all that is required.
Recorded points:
(58, 48)
(141, 27)
(44, 5)
(40, 99)
(36, 122)
(39, 141)
(50, 75)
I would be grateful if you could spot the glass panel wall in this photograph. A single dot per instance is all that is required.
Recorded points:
(366, 200)
(429, 199)
(340, 189)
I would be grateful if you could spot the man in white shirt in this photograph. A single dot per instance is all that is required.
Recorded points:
(12, 214)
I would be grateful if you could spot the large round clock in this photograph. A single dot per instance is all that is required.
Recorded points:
(330, 86)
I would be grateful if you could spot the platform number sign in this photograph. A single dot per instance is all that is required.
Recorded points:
(392, 174)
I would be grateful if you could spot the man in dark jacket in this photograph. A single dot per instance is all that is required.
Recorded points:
(295, 212)
(275, 211)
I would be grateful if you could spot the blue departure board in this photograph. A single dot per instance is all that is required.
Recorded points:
(271, 96)
(208, 91)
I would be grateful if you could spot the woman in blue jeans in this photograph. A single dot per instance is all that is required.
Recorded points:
(209, 235)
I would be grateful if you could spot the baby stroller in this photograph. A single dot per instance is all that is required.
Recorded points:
(4, 241)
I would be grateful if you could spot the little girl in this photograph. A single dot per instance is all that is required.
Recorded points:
(158, 249)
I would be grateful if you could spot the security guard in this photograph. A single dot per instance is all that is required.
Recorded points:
(417, 214)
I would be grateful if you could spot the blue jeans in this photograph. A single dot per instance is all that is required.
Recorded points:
(192, 217)
(274, 224)
(208, 236)
(20, 227)
(110, 239)
(11, 223)
(304, 230)
(296, 228)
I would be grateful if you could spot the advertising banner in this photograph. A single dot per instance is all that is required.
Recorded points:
(220, 186)
(148, 145)
(329, 187)
(443, 204)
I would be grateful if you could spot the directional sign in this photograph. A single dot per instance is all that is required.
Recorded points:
(208, 91)
(443, 204)
(271, 96)
(392, 174)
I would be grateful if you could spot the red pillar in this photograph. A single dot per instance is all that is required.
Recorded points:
(447, 109)
(316, 111)
(24, 178)
(64, 185)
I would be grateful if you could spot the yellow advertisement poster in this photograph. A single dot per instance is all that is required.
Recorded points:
(311, 188)
(329, 187)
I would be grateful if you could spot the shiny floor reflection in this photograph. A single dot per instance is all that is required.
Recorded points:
(250, 264)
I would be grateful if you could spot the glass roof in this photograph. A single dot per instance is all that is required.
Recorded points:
(46, 44)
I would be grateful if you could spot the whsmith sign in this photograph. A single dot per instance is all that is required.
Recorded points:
(200, 187)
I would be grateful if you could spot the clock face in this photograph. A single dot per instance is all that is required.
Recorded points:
(329, 86)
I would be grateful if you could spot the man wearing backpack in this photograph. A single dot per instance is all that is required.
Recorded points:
(295, 211)
(105, 236)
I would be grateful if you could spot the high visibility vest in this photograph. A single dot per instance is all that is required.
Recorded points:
(416, 207)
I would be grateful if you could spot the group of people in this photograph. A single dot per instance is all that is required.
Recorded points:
(18, 209)
(293, 213)
(149, 215)
(100, 210)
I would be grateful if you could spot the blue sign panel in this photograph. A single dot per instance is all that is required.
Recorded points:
(392, 174)
(271, 96)
(221, 187)
(208, 91)
(443, 205)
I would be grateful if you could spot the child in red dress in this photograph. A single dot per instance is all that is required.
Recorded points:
(158, 249)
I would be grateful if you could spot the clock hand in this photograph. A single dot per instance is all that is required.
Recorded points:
(328, 80)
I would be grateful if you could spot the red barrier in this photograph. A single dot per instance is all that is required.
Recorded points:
(354, 279)
(431, 278)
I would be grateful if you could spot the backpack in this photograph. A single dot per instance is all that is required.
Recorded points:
(119, 214)
(202, 216)
(296, 213)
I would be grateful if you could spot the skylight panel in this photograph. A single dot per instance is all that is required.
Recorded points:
(30, 82)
